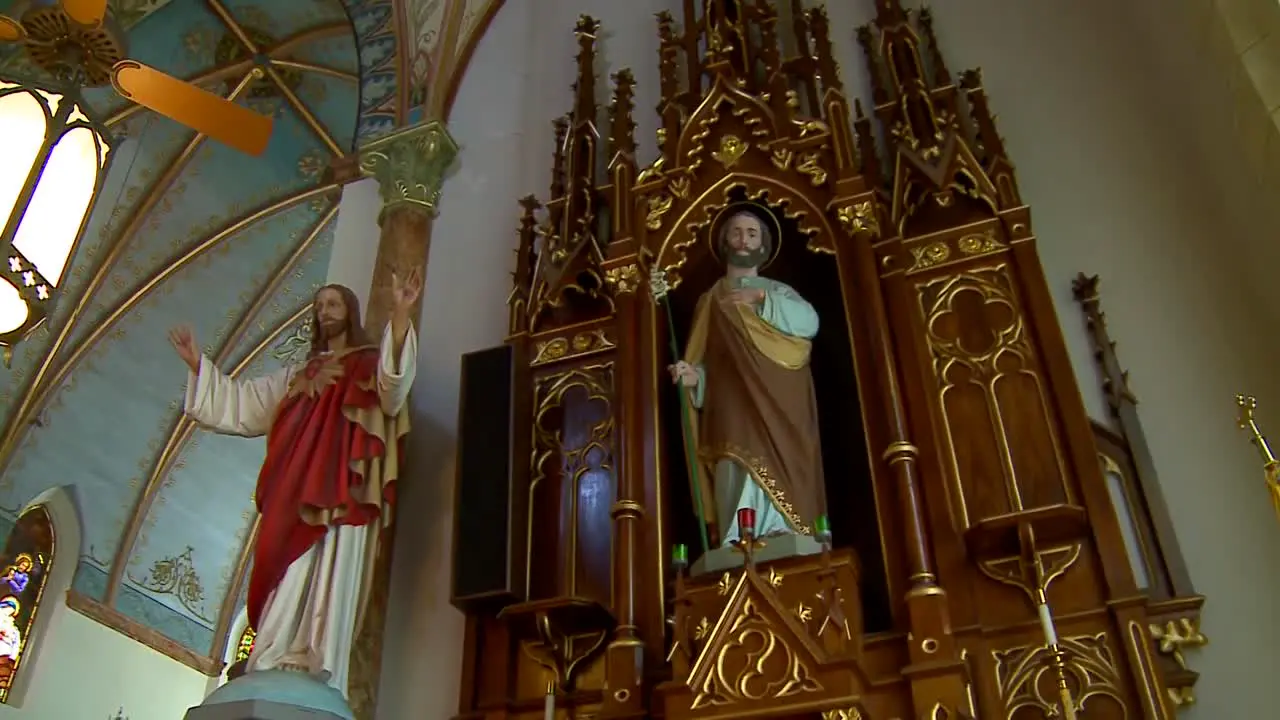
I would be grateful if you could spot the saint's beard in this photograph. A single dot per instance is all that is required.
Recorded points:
(749, 259)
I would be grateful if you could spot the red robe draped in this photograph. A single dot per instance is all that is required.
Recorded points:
(323, 444)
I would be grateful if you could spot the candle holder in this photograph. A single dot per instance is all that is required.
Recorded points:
(1013, 548)
(747, 542)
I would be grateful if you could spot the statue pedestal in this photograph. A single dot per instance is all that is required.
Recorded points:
(775, 548)
(273, 695)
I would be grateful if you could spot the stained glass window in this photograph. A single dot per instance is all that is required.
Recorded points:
(24, 569)
(245, 646)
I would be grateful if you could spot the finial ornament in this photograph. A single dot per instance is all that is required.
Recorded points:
(1247, 404)
(1271, 467)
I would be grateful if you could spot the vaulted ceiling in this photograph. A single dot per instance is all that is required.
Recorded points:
(187, 230)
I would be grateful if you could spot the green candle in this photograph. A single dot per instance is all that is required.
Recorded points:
(680, 554)
(821, 524)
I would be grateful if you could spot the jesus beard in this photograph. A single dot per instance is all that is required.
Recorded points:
(332, 328)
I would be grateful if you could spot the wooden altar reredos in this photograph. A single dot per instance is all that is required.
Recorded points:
(989, 493)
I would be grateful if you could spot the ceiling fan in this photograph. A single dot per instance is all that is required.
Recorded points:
(84, 36)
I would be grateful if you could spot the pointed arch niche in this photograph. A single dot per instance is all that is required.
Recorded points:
(37, 562)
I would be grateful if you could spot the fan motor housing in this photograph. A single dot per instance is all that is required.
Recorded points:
(68, 51)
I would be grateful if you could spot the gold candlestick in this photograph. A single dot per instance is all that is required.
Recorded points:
(1270, 466)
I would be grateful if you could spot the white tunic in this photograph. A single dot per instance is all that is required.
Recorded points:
(309, 621)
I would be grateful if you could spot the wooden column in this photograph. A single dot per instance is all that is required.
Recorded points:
(409, 166)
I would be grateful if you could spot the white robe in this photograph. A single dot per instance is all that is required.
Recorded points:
(308, 622)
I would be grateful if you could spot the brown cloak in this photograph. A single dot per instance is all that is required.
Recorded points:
(758, 409)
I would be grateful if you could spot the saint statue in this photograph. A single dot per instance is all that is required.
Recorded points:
(746, 374)
(334, 428)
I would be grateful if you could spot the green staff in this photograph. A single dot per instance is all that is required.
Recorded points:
(660, 289)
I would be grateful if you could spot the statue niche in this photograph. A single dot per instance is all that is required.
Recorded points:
(840, 487)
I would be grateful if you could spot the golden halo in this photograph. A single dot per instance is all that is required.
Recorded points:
(767, 220)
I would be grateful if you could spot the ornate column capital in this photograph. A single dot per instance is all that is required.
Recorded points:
(410, 165)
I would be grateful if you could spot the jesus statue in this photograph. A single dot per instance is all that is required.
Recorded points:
(334, 427)
(746, 373)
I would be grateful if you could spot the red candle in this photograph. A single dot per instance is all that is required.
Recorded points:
(746, 520)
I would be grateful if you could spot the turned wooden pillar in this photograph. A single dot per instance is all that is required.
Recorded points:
(409, 166)
(934, 667)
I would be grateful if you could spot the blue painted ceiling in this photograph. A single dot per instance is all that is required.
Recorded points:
(167, 512)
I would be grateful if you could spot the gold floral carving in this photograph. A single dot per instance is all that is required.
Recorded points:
(781, 158)
(934, 253)
(852, 713)
(1056, 561)
(587, 342)
(1172, 640)
(1025, 677)
(782, 200)
(981, 243)
(732, 148)
(679, 187)
(859, 218)
(725, 586)
(659, 205)
(623, 279)
(809, 166)
(1175, 636)
(176, 577)
(747, 660)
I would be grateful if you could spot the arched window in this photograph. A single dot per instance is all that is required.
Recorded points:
(24, 572)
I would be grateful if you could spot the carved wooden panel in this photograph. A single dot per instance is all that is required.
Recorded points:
(571, 482)
(997, 421)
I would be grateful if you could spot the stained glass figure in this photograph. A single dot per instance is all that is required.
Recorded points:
(28, 555)
(245, 646)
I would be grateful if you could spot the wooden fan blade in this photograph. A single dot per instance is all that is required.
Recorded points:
(85, 13)
(10, 29)
(213, 115)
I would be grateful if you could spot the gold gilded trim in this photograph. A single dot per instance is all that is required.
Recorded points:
(183, 427)
(764, 478)
(673, 252)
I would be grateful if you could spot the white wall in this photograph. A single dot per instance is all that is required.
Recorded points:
(87, 670)
(1125, 183)
(517, 83)
(355, 238)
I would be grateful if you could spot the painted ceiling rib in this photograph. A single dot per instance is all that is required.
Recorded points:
(317, 68)
(244, 65)
(308, 117)
(37, 390)
(183, 428)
